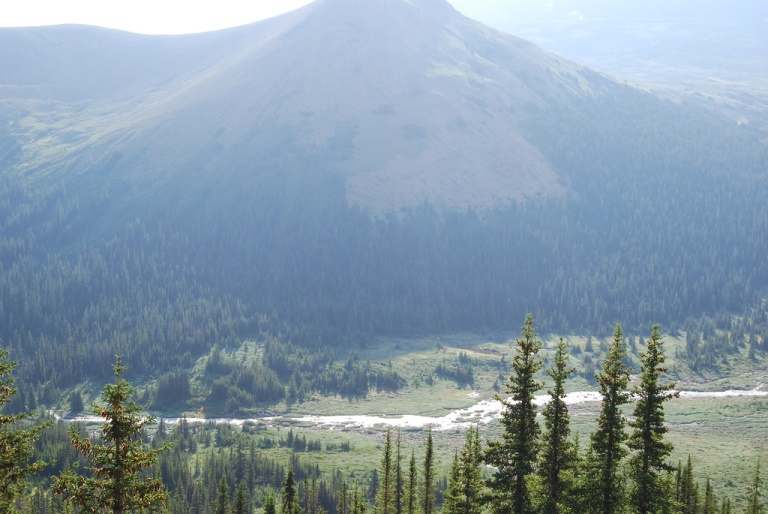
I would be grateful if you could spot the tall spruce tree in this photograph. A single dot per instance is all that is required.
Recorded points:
(606, 492)
(465, 485)
(428, 477)
(515, 455)
(412, 486)
(557, 451)
(648, 464)
(399, 485)
(386, 493)
(117, 480)
(15, 442)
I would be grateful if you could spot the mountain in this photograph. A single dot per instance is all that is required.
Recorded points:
(384, 93)
(704, 52)
(348, 170)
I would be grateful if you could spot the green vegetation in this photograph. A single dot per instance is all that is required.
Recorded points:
(115, 478)
(16, 443)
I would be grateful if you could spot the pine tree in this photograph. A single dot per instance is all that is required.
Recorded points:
(754, 493)
(606, 492)
(15, 443)
(385, 495)
(647, 439)
(290, 498)
(428, 477)
(465, 485)
(557, 452)
(515, 455)
(116, 482)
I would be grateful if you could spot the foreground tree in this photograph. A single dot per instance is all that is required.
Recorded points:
(428, 477)
(648, 466)
(411, 487)
(605, 487)
(117, 482)
(557, 451)
(515, 455)
(386, 493)
(465, 485)
(15, 442)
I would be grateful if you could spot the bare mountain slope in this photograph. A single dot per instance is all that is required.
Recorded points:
(408, 101)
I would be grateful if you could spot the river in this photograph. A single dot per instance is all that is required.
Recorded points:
(482, 412)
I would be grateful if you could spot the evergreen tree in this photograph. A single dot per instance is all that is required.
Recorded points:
(709, 500)
(412, 487)
(688, 498)
(385, 495)
(557, 452)
(648, 464)
(606, 492)
(515, 455)
(428, 477)
(221, 504)
(269, 504)
(398, 474)
(465, 485)
(116, 482)
(754, 493)
(725, 508)
(342, 506)
(290, 497)
(76, 405)
(16, 444)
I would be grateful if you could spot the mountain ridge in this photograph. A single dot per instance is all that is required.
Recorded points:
(432, 62)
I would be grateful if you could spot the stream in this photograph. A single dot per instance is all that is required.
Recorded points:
(481, 412)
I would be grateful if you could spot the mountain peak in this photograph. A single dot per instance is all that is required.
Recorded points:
(407, 101)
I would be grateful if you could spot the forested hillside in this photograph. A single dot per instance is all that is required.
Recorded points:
(158, 220)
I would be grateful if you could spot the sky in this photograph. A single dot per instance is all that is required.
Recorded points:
(164, 16)
(144, 16)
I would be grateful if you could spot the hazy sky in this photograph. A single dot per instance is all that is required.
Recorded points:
(162, 16)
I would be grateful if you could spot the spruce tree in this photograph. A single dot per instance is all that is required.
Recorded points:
(15, 443)
(709, 499)
(514, 457)
(412, 486)
(269, 504)
(428, 477)
(648, 464)
(465, 485)
(221, 504)
(689, 495)
(385, 494)
(399, 485)
(557, 451)
(290, 497)
(754, 493)
(606, 491)
(117, 480)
